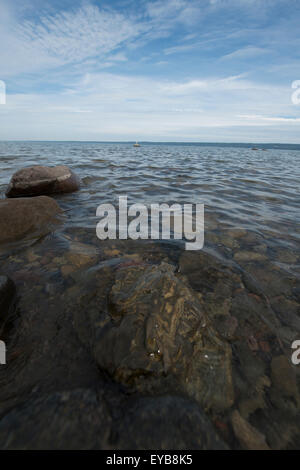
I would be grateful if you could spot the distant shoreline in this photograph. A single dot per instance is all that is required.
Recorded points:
(246, 145)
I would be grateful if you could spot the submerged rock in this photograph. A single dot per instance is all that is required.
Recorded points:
(27, 218)
(284, 378)
(249, 256)
(167, 422)
(82, 419)
(38, 180)
(146, 355)
(7, 294)
(156, 336)
(249, 437)
(64, 420)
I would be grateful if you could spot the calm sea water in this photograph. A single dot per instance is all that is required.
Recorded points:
(252, 220)
(258, 191)
(241, 188)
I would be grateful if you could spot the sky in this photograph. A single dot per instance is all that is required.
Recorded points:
(155, 70)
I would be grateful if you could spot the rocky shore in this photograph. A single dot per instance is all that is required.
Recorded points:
(136, 344)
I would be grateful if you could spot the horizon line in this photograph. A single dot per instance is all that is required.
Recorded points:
(153, 142)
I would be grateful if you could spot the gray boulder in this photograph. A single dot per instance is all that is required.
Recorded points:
(38, 180)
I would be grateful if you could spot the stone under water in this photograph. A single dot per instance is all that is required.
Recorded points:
(27, 218)
(157, 336)
(142, 346)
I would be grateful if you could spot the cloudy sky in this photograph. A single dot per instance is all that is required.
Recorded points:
(164, 70)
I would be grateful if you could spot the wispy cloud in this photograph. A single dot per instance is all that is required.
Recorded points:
(109, 106)
(97, 70)
(66, 38)
(214, 85)
(180, 48)
(78, 35)
(271, 119)
(246, 53)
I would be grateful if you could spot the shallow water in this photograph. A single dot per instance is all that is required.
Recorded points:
(252, 224)
(240, 187)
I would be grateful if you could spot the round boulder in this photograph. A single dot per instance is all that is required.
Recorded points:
(38, 180)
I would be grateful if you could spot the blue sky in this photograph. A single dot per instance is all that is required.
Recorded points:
(165, 70)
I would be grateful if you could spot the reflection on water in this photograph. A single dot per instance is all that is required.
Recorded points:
(250, 283)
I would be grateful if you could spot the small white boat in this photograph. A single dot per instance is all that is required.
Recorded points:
(136, 144)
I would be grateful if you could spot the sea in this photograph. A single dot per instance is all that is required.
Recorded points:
(251, 197)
